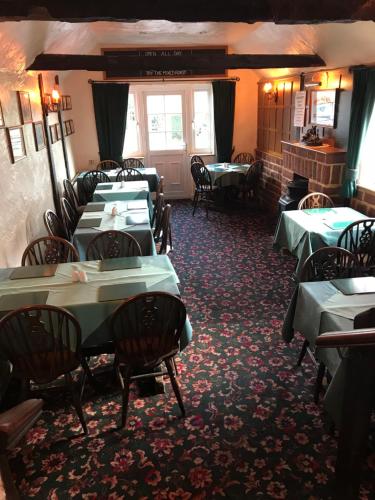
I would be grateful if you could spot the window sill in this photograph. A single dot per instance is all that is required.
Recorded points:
(370, 190)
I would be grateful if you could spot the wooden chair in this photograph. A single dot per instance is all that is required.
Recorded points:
(108, 165)
(160, 187)
(244, 158)
(43, 343)
(315, 200)
(249, 187)
(54, 225)
(129, 174)
(203, 186)
(90, 181)
(112, 244)
(71, 195)
(326, 264)
(71, 216)
(146, 330)
(158, 212)
(14, 424)
(359, 238)
(196, 159)
(132, 163)
(49, 250)
(162, 234)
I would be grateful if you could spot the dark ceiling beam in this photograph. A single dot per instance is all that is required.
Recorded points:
(65, 62)
(250, 11)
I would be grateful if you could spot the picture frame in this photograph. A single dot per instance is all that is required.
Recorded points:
(67, 127)
(58, 131)
(324, 107)
(68, 102)
(2, 121)
(39, 136)
(16, 143)
(72, 129)
(24, 106)
(53, 133)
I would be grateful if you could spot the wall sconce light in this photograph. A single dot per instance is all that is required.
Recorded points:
(270, 92)
(52, 101)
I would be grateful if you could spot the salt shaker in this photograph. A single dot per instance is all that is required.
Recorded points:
(75, 273)
(122, 184)
(83, 277)
(114, 210)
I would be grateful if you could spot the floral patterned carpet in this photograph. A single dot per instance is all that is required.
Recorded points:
(251, 430)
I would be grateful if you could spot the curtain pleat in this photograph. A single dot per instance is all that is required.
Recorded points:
(224, 100)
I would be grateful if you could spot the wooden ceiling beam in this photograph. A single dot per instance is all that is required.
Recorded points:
(249, 11)
(65, 62)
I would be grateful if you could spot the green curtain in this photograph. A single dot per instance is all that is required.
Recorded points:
(110, 106)
(363, 100)
(224, 92)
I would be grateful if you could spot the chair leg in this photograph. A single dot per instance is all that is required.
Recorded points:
(303, 352)
(170, 237)
(76, 401)
(195, 201)
(175, 365)
(89, 376)
(319, 381)
(7, 478)
(125, 385)
(175, 386)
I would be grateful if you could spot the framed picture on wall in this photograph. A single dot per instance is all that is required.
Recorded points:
(67, 127)
(324, 107)
(39, 136)
(68, 102)
(58, 131)
(72, 130)
(16, 143)
(2, 122)
(53, 133)
(24, 106)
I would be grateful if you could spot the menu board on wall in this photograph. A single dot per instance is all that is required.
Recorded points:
(299, 108)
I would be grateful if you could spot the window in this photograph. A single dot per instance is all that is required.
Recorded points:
(367, 155)
(203, 140)
(164, 118)
(131, 143)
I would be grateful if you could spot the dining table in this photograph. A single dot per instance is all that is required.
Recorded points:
(85, 300)
(322, 307)
(302, 232)
(149, 174)
(227, 174)
(131, 216)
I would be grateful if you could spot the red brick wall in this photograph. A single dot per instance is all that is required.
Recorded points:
(364, 202)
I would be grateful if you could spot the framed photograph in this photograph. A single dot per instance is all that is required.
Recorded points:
(68, 102)
(24, 106)
(67, 127)
(16, 143)
(58, 131)
(324, 107)
(72, 130)
(2, 122)
(53, 133)
(39, 136)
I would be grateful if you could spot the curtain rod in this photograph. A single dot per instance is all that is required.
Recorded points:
(166, 80)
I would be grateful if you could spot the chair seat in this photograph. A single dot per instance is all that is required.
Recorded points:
(14, 421)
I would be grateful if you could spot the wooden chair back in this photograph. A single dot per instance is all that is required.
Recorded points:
(42, 342)
(315, 200)
(129, 174)
(160, 186)
(70, 193)
(107, 165)
(359, 238)
(247, 158)
(329, 263)
(196, 159)
(90, 181)
(146, 329)
(112, 244)
(201, 176)
(365, 319)
(158, 212)
(54, 226)
(163, 232)
(132, 163)
(49, 250)
(71, 216)
(253, 174)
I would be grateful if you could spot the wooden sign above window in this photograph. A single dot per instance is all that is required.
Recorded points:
(161, 54)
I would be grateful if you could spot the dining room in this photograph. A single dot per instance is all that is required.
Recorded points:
(187, 266)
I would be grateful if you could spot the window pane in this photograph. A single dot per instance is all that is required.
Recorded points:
(131, 144)
(202, 133)
(156, 123)
(157, 141)
(173, 122)
(173, 104)
(155, 104)
(201, 101)
(175, 140)
(367, 173)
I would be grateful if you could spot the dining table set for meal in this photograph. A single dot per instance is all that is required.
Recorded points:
(227, 174)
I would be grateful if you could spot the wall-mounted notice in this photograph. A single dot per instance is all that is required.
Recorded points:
(299, 108)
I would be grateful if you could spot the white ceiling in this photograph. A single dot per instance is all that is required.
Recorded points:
(338, 44)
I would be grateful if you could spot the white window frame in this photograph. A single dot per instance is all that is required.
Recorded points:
(366, 157)
(211, 149)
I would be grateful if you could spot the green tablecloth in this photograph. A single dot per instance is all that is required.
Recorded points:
(302, 232)
(321, 308)
(230, 174)
(141, 232)
(81, 299)
(149, 173)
